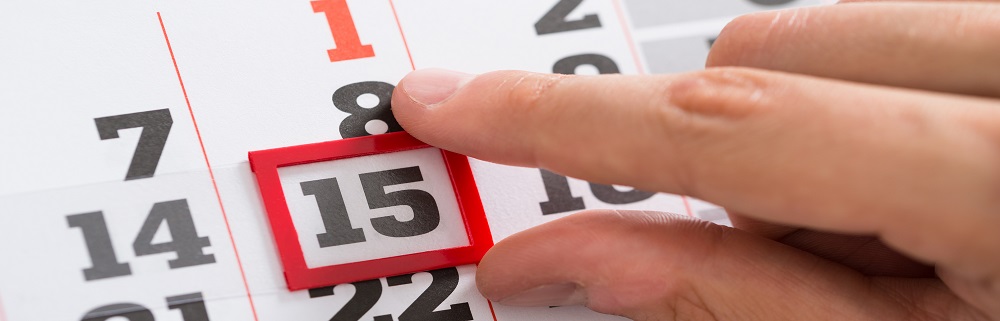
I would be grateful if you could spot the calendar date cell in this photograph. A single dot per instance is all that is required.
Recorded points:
(135, 242)
(353, 210)
(369, 207)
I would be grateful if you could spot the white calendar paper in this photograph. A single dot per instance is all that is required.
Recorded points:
(125, 188)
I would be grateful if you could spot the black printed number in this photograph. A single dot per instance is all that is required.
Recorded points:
(332, 210)
(191, 306)
(555, 21)
(568, 65)
(560, 198)
(155, 126)
(443, 284)
(340, 231)
(346, 100)
(185, 241)
(426, 216)
(367, 293)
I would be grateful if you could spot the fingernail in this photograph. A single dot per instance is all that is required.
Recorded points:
(433, 86)
(548, 295)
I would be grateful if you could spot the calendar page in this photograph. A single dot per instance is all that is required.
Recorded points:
(126, 191)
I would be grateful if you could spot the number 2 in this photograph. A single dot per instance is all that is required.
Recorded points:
(444, 284)
(366, 294)
(555, 21)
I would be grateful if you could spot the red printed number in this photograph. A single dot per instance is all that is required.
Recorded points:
(345, 34)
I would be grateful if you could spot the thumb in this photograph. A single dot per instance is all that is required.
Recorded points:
(656, 266)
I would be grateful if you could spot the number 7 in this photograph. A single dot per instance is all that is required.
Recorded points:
(155, 129)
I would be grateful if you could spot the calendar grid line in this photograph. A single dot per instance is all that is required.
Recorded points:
(620, 11)
(687, 205)
(622, 19)
(488, 302)
(399, 25)
(493, 312)
(211, 174)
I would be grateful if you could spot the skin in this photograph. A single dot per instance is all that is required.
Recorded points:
(856, 148)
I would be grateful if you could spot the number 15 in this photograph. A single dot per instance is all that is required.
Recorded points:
(340, 231)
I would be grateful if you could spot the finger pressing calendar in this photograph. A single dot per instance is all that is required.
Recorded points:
(436, 186)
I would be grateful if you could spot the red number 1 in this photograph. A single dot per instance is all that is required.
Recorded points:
(345, 34)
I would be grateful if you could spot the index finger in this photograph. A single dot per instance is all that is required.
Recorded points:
(772, 145)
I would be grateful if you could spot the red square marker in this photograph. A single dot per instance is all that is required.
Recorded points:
(299, 275)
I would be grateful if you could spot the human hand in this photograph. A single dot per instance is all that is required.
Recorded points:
(862, 172)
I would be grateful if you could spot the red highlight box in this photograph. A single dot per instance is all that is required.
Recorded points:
(298, 276)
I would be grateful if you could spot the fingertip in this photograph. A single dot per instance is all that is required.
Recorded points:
(759, 39)
(430, 87)
(424, 89)
(418, 94)
(481, 116)
(738, 39)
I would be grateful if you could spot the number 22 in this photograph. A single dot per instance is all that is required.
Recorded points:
(367, 293)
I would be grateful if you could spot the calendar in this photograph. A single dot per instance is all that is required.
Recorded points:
(165, 159)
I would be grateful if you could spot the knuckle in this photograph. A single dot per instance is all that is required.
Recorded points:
(719, 92)
(701, 112)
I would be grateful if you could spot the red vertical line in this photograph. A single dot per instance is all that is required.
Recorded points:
(687, 205)
(488, 302)
(491, 310)
(628, 37)
(211, 173)
(402, 35)
(641, 70)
